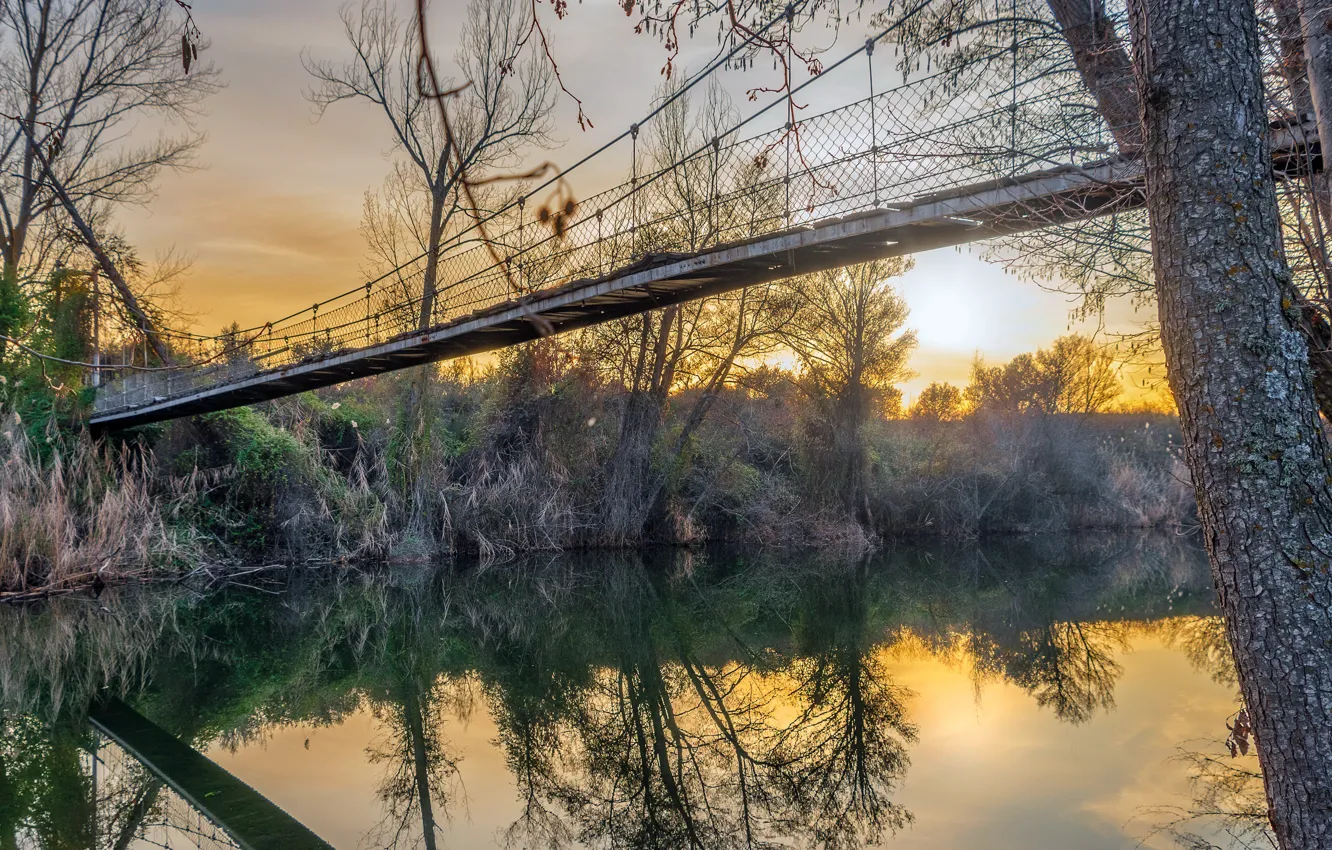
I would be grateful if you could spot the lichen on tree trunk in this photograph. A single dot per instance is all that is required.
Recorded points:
(1240, 371)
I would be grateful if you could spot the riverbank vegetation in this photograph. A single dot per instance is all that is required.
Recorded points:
(676, 427)
(559, 445)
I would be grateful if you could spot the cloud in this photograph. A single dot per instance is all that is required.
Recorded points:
(260, 256)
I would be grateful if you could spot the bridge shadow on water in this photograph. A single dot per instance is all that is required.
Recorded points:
(690, 699)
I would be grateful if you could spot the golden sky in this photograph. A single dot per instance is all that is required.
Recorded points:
(271, 216)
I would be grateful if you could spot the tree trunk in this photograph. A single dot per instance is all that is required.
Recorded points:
(1307, 66)
(1311, 87)
(1240, 372)
(1290, 42)
(1318, 337)
(630, 499)
(411, 709)
(1316, 26)
(1107, 72)
(1104, 65)
(432, 260)
(143, 804)
(628, 485)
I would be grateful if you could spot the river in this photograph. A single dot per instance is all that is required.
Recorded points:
(1043, 692)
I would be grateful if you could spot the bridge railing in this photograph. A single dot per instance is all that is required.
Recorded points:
(884, 151)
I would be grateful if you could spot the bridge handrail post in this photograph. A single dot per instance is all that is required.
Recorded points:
(786, 180)
(602, 266)
(633, 191)
(874, 124)
(790, 109)
(715, 230)
(1013, 100)
(368, 286)
(522, 213)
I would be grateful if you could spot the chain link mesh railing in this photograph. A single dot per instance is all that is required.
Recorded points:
(882, 152)
(133, 808)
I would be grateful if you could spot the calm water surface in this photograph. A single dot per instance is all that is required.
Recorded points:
(1049, 693)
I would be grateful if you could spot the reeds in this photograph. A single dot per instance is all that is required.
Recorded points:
(83, 513)
(503, 464)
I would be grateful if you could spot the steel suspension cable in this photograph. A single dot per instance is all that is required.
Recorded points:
(549, 182)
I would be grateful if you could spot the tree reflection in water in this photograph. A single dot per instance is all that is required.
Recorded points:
(685, 701)
(847, 746)
(412, 702)
(666, 746)
(1229, 805)
(1068, 667)
(43, 786)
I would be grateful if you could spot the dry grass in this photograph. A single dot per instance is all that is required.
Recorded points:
(522, 504)
(85, 512)
(63, 654)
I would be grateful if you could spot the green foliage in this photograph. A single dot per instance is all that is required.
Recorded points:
(262, 454)
(280, 493)
(71, 320)
(49, 395)
(44, 789)
(14, 310)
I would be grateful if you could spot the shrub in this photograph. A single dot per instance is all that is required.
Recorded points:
(275, 493)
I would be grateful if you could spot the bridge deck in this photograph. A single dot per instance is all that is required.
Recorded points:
(244, 814)
(962, 215)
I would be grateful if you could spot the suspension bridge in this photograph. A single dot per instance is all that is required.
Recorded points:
(152, 789)
(924, 164)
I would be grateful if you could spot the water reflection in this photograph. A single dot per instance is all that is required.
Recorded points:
(684, 700)
(1228, 806)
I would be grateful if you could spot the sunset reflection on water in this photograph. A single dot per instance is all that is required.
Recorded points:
(1052, 695)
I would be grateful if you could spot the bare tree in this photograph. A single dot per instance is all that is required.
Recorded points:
(697, 346)
(75, 75)
(500, 107)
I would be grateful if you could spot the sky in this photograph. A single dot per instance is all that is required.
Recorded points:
(270, 217)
